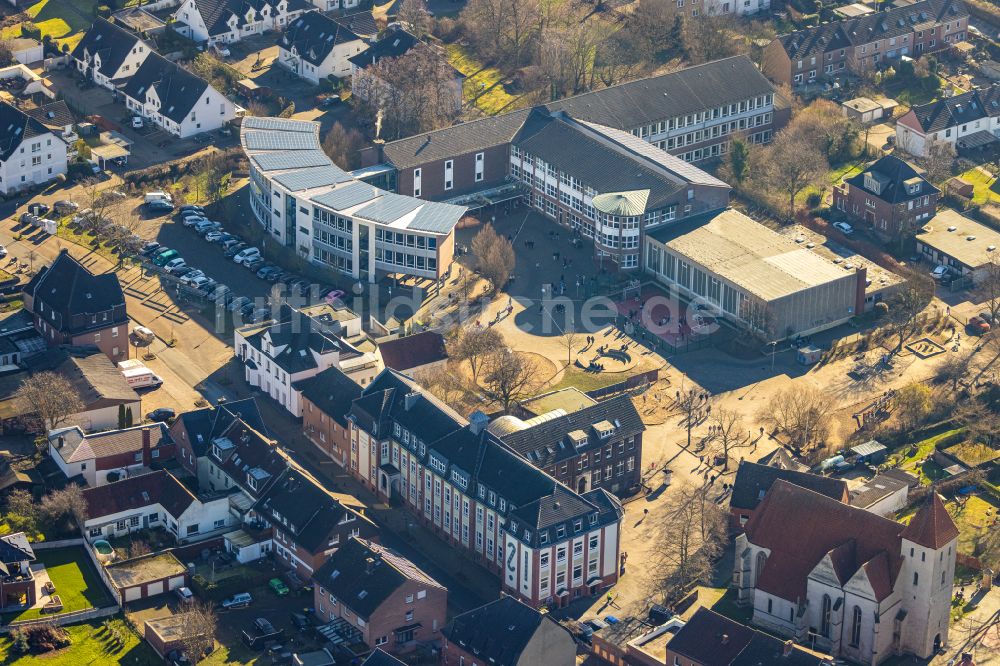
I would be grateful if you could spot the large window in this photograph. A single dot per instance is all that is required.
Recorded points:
(856, 627)
(824, 628)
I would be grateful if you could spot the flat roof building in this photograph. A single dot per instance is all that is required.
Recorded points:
(755, 276)
(962, 244)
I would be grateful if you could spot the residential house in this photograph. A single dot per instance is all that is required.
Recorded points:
(309, 523)
(506, 632)
(326, 400)
(396, 42)
(103, 391)
(17, 582)
(753, 480)
(549, 544)
(243, 459)
(315, 47)
(890, 198)
(300, 343)
(72, 306)
(967, 122)
(599, 446)
(175, 100)
(335, 5)
(229, 21)
(371, 595)
(109, 55)
(413, 354)
(58, 118)
(862, 45)
(193, 431)
(30, 153)
(710, 639)
(883, 495)
(156, 500)
(724, 7)
(966, 247)
(107, 456)
(847, 581)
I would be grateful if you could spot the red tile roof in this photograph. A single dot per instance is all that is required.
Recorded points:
(800, 527)
(931, 527)
(138, 492)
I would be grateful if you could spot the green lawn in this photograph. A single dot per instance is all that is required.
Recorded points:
(483, 85)
(973, 520)
(986, 188)
(93, 643)
(77, 584)
(910, 459)
(64, 20)
(587, 381)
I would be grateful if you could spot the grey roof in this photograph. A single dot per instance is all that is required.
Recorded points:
(111, 42)
(893, 174)
(348, 196)
(388, 207)
(499, 632)
(394, 44)
(279, 141)
(868, 448)
(292, 159)
(177, 89)
(637, 103)
(282, 124)
(313, 36)
(872, 491)
(15, 126)
(453, 141)
(952, 111)
(437, 217)
(753, 480)
(362, 24)
(296, 181)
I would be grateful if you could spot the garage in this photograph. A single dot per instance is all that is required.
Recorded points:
(154, 589)
(175, 582)
(146, 576)
(133, 594)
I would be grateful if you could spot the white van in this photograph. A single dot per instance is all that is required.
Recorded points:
(158, 196)
(140, 377)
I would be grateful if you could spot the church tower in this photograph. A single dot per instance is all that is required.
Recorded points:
(925, 580)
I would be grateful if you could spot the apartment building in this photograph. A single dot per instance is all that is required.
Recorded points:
(31, 154)
(548, 544)
(229, 21)
(862, 45)
(108, 54)
(326, 399)
(966, 122)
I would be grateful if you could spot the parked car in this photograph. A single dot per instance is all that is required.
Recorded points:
(333, 295)
(181, 272)
(184, 595)
(977, 326)
(161, 415)
(213, 236)
(235, 249)
(939, 272)
(229, 242)
(844, 227)
(189, 277)
(278, 587)
(226, 237)
(208, 286)
(207, 225)
(246, 254)
(237, 303)
(136, 122)
(193, 219)
(191, 208)
(174, 264)
(65, 207)
(267, 269)
(241, 600)
(161, 206)
(299, 286)
(162, 258)
(3, 251)
(254, 265)
(301, 621)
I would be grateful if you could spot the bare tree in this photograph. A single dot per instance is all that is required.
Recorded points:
(414, 15)
(791, 164)
(938, 161)
(988, 287)
(905, 306)
(693, 404)
(64, 504)
(981, 421)
(570, 337)
(697, 529)
(200, 627)
(912, 404)
(953, 369)
(450, 386)
(709, 38)
(758, 317)
(51, 396)
(509, 376)
(343, 146)
(729, 433)
(474, 345)
(504, 30)
(802, 413)
(494, 257)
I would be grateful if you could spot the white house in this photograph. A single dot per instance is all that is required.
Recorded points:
(154, 501)
(335, 5)
(738, 7)
(314, 46)
(228, 21)
(109, 54)
(965, 122)
(844, 580)
(30, 153)
(300, 344)
(120, 453)
(176, 100)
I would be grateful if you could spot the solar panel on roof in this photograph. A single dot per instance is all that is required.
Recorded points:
(297, 159)
(437, 217)
(307, 179)
(255, 122)
(388, 208)
(271, 140)
(348, 196)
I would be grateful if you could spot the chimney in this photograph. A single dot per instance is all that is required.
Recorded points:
(410, 400)
(787, 649)
(370, 564)
(478, 422)
(859, 304)
(147, 457)
(725, 639)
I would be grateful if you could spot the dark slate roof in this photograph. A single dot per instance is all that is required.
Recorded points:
(178, 89)
(892, 173)
(313, 36)
(138, 492)
(202, 425)
(711, 639)
(627, 106)
(362, 575)
(216, 13)
(413, 351)
(297, 333)
(97, 380)
(754, 480)
(113, 43)
(866, 29)
(296, 504)
(70, 292)
(456, 140)
(550, 442)
(15, 126)
(381, 658)
(15, 548)
(394, 44)
(242, 451)
(498, 632)
(384, 401)
(361, 24)
(875, 489)
(964, 108)
(54, 115)
(332, 392)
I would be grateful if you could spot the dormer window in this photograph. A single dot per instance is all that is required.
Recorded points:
(913, 188)
(872, 184)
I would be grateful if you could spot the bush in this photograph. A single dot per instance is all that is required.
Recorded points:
(39, 638)
(814, 199)
(29, 29)
(288, 111)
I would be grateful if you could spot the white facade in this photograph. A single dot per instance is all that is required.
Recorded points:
(102, 418)
(335, 63)
(36, 161)
(271, 17)
(910, 138)
(211, 112)
(333, 5)
(738, 7)
(199, 521)
(91, 63)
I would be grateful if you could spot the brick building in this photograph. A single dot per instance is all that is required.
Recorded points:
(73, 306)
(326, 399)
(192, 432)
(890, 198)
(371, 595)
(860, 46)
(753, 480)
(118, 453)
